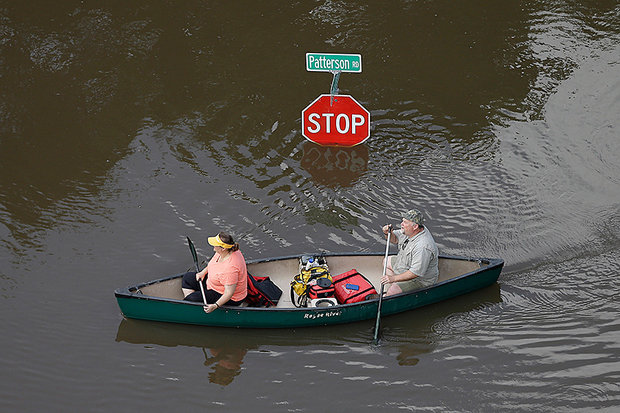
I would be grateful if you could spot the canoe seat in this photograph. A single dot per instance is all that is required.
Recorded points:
(454, 268)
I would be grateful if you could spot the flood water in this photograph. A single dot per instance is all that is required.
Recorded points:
(127, 126)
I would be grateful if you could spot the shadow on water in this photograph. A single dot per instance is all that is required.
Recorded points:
(411, 334)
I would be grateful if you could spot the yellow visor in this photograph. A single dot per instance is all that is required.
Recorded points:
(217, 242)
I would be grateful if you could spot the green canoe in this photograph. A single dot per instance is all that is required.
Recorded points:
(162, 300)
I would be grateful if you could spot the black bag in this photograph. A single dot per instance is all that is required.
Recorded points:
(302, 282)
(323, 288)
(262, 292)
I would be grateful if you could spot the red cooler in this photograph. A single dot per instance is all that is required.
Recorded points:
(352, 287)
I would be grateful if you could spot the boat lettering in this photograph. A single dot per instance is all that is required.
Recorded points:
(321, 315)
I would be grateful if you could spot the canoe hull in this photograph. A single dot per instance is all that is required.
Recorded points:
(135, 305)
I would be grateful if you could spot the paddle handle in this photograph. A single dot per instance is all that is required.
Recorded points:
(202, 290)
(387, 250)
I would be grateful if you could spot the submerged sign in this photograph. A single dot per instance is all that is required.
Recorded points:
(335, 120)
(329, 62)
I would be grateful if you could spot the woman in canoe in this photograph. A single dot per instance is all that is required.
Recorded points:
(226, 276)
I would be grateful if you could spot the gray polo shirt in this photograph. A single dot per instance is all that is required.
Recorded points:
(419, 255)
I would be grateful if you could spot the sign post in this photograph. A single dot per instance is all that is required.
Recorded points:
(335, 120)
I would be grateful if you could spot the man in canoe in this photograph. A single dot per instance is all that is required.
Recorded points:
(416, 264)
(227, 276)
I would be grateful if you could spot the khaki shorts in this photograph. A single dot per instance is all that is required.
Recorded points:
(410, 285)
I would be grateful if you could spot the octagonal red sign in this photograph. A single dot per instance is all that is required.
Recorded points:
(335, 120)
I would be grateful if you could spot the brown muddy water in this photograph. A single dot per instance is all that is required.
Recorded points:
(126, 126)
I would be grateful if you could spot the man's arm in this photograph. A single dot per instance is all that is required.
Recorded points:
(405, 276)
(389, 279)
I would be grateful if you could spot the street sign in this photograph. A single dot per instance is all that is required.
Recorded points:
(335, 120)
(330, 62)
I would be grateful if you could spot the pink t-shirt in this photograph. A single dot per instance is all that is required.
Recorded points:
(227, 272)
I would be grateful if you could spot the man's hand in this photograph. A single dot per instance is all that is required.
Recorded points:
(385, 280)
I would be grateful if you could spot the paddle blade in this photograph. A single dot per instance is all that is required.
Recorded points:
(194, 255)
(375, 340)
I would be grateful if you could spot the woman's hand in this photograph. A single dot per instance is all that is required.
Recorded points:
(385, 280)
(209, 308)
(201, 275)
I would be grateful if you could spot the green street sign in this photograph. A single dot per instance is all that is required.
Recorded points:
(330, 62)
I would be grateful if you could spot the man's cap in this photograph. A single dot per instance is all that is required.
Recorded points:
(414, 216)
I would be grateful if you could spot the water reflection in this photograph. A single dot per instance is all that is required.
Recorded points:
(411, 334)
(416, 333)
(226, 363)
(223, 349)
(334, 166)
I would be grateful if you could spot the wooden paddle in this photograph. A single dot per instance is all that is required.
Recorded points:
(195, 256)
(387, 250)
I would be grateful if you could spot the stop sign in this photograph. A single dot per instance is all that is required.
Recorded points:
(335, 120)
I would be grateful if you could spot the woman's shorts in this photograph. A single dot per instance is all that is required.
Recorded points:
(189, 282)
